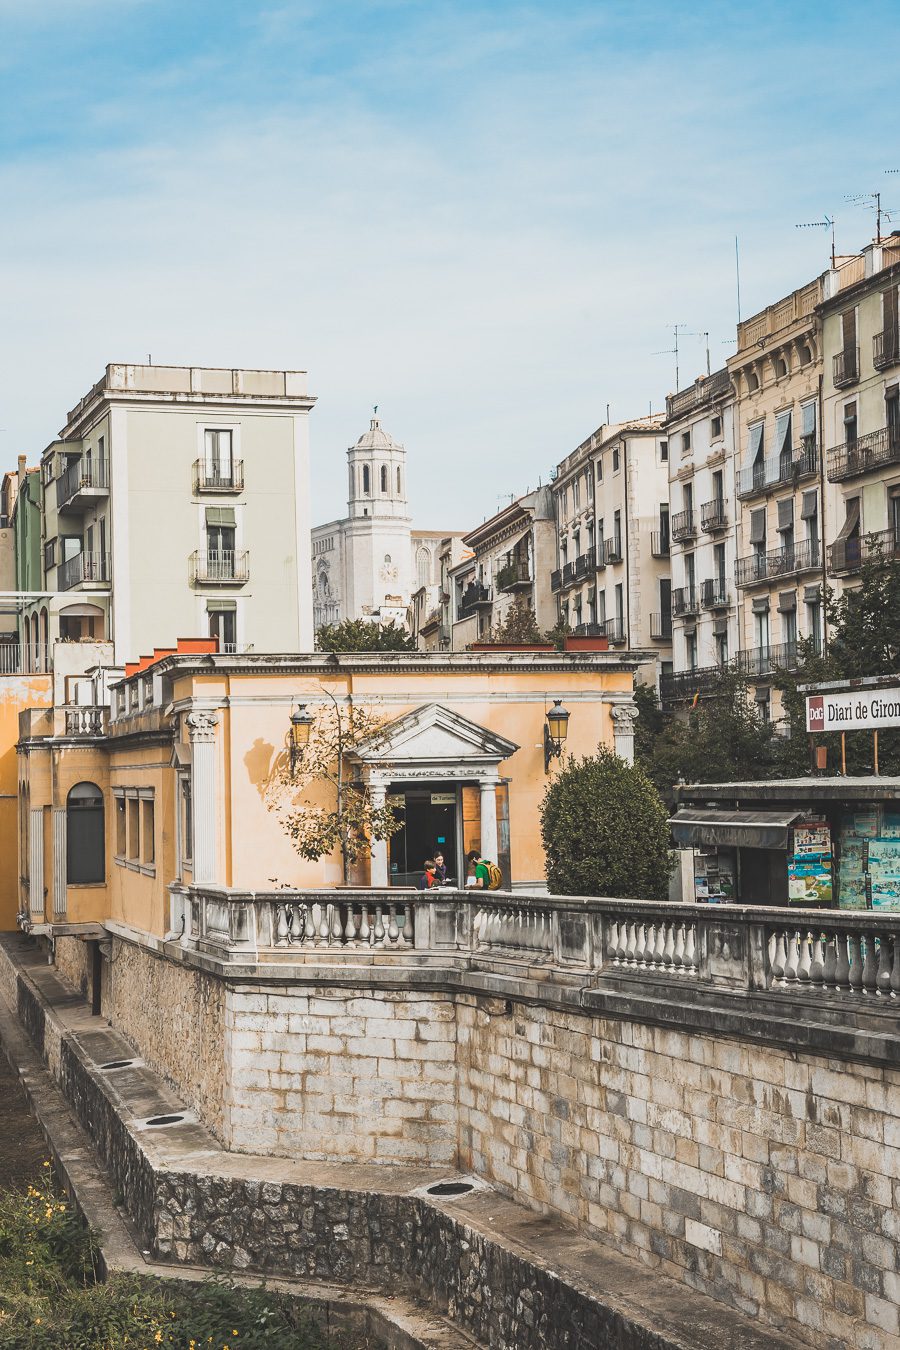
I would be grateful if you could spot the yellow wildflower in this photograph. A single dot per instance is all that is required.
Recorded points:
(158, 1337)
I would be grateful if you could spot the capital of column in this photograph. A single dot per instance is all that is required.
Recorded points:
(202, 726)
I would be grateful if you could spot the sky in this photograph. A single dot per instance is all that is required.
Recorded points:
(483, 217)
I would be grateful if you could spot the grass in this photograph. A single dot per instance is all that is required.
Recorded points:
(51, 1296)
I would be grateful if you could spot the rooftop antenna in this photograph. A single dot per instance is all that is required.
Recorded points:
(673, 351)
(826, 223)
(607, 414)
(706, 336)
(872, 202)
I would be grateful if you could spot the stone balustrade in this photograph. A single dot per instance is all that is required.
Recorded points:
(844, 955)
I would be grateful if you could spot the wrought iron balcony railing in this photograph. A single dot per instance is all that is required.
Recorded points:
(221, 566)
(82, 483)
(685, 601)
(661, 627)
(614, 629)
(612, 550)
(713, 515)
(473, 598)
(845, 367)
(757, 661)
(800, 557)
(864, 453)
(213, 477)
(684, 684)
(714, 593)
(683, 525)
(778, 469)
(848, 555)
(886, 348)
(659, 544)
(514, 575)
(84, 567)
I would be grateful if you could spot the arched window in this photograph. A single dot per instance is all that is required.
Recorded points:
(33, 661)
(423, 566)
(85, 849)
(384, 479)
(366, 485)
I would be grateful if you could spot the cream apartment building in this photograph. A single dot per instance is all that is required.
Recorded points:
(700, 532)
(612, 573)
(513, 554)
(176, 504)
(861, 410)
(780, 558)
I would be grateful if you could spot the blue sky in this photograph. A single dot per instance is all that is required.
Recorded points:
(483, 217)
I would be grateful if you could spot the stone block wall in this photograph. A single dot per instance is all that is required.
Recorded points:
(768, 1179)
(72, 958)
(342, 1075)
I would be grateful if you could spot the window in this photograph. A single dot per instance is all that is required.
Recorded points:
(615, 460)
(718, 482)
(762, 629)
(687, 497)
(220, 538)
(722, 649)
(719, 567)
(685, 442)
(187, 821)
(784, 442)
(218, 460)
(384, 479)
(850, 424)
(121, 835)
(85, 862)
(589, 485)
(50, 554)
(892, 414)
(715, 428)
(599, 468)
(366, 484)
(808, 428)
(148, 840)
(576, 494)
(617, 531)
(620, 603)
(398, 483)
(47, 470)
(789, 627)
(133, 851)
(690, 574)
(690, 650)
(663, 451)
(223, 625)
(814, 622)
(148, 689)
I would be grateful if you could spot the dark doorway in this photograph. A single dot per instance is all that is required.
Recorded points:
(429, 816)
(763, 876)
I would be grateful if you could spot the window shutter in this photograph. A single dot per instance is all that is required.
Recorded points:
(786, 514)
(848, 324)
(720, 627)
(758, 526)
(761, 604)
(220, 515)
(890, 311)
(812, 595)
(808, 419)
(755, 443)
(851, 524)
(221, 606)
(810, 507)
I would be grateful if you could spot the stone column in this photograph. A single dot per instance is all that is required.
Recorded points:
(202, 731)
(379, 866)
(624, 716)
(489, 840)
(36, 862)
(59, 862)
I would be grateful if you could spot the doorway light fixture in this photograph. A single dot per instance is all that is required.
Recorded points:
(555, 730)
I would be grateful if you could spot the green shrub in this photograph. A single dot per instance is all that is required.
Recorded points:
(605, 832)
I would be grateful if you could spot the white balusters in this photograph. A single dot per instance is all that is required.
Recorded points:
(862, 962)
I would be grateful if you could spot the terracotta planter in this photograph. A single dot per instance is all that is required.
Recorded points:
(586, 644)
(511, 647)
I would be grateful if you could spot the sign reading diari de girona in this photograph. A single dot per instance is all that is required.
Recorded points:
(853, 710)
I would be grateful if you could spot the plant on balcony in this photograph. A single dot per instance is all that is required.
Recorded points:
(519, 626)
(349, 825)
(605, 832)
(361, 635)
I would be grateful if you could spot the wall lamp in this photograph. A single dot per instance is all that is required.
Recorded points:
(301, 725)
(555, 729)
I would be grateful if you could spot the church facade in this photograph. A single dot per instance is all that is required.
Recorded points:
(367, 565)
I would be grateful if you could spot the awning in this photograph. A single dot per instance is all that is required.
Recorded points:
(734, 829)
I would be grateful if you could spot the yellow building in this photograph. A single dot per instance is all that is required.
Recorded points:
(176, 784)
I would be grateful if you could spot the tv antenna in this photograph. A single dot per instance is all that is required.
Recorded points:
(673, 351)
(705, 337)
(826, 223)
(872, 202)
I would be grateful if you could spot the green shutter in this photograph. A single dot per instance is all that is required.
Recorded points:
(220, 515)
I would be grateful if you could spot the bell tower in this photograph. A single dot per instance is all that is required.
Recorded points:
(377, 475)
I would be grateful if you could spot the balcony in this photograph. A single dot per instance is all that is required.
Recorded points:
(684, 684)
(886, 349)
(783, 562)
(556, 580)
(758, 661)
(845, 367)
(86, 721)
(661, 627)
(585, 564)
(82, 484)
(659, 544)
(713, 515)
(863, 454)
(777, 470)
(848, 555)
(473, 599)
(614, 629)
(683, 525)
(700, 393)
(85, 569)
(612, 551)
(218, 478)
(714, 593)
(514, 576)
(220, 567)
(589, 630)
(568, 574)
(684, 601)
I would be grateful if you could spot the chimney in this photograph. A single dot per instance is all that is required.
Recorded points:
(22, 470)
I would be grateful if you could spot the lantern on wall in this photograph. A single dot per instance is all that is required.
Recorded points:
(555, 730)
(301, 725)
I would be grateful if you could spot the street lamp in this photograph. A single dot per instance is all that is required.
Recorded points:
(555, 729)
(301, 725)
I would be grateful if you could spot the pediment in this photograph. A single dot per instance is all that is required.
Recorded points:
(434, 734)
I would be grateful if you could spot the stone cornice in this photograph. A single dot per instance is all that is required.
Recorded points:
(323, 664)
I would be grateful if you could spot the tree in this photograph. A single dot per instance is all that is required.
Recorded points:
(723, 738)
(364, 635)
(353, 821)
(605, 831)
(520, 624)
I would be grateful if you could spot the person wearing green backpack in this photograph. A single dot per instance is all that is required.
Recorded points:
(488, 876)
